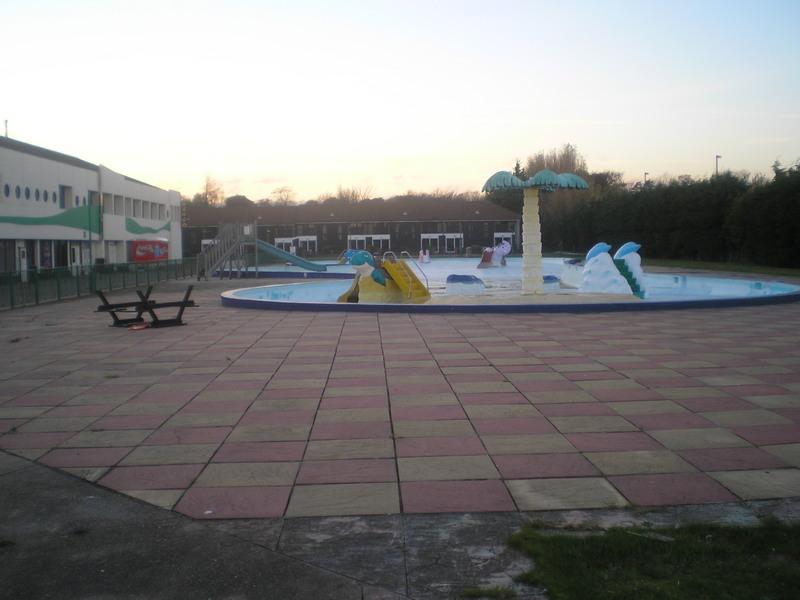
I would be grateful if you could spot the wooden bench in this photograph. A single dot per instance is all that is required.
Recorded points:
(145, 305)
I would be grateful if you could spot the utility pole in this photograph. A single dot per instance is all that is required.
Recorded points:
(646, 173)
(716, 169)
(6, 127)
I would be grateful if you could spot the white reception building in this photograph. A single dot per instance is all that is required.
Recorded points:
(60, 211)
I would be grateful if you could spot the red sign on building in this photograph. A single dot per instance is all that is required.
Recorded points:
(149, 251)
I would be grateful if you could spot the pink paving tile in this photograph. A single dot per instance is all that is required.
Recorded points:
(187, 435)
(373, 470)
(672, 488)
(234, 503)
(613, 442)
(147, 397)
(579, 409)
(731, 459)
(418, 388)
(162, 477)
(714, 404)
(335, 402)
(669, 421)
(455, 496)
(428, 413)
(780, 378)
(84, 457)
(525, 466)
(351, 431)
(439, 446)
(762, 435)
(15, 441)
(217, 386)
(668, 382)
(9, 424)
(546, 386)
(492, 398)
(37, 401)
(260, 452)
(278, 417)
(216, 406)
(790, 413)
(128, 422)
(513, 426)
(87, 410)
(356, 381)
(625, 395)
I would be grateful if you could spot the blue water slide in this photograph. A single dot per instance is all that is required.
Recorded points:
(290, 258)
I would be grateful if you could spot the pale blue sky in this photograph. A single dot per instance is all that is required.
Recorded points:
(393, 96)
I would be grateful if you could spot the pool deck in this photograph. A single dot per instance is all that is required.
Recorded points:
(247, 414)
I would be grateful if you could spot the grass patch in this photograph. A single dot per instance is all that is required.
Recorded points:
(720, 266)
(696, 562)
(497, 591)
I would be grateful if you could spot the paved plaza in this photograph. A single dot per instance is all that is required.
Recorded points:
(259, 414)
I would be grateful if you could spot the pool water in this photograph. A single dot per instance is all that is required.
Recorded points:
(506, 281)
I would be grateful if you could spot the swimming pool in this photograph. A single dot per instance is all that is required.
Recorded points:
(503, 291)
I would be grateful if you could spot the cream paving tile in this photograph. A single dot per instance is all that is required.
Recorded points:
(346, 449)
(446, 468)
(688, 439)
(610, 384)
(730, 380)
(501, 411)
(743, 418)
(352, 415)
(247, 474)
(679, 393)
(593, 423)
(559, 397)
(564, 494)
(269, 433)
(202, 420)
(88, 473)
(647, 407)
(344, 499)
(183, 454)
(761, 485)
(432, 428)
(145, 408)
(477, 387)
(161, 498)
(281, 404)
(639, 462)
(789, 453)
(340, 392)
(547, 443)
(775, 401)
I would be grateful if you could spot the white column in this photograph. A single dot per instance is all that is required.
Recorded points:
(532, 281)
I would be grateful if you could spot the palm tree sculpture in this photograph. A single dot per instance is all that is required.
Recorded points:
(544, 181)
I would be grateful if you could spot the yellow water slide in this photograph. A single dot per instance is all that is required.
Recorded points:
(407, 281)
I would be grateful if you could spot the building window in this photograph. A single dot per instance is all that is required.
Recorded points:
(77, 201)
(44, 195)
(17, 192)
(54, 198)
(27, 193)
(84, 200)
(36, 194)
(7, 190)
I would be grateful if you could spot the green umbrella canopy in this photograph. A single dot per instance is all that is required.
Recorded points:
(502, 180)
(549, 180)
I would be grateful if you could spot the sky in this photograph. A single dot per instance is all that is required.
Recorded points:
(394, 96)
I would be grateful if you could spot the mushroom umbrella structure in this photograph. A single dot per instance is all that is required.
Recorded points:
(543, 181)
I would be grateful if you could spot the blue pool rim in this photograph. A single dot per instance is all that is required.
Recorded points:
(506, 308)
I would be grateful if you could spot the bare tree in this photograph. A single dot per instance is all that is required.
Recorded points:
(283, 196)
(212, 193)
(353, 194)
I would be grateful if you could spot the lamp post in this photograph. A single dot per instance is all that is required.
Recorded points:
(646, 173)
(716, 167)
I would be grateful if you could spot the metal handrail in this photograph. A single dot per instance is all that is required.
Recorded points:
(391, 254)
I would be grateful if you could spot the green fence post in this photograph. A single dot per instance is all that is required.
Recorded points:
(11, 289)
(35, 276)
(58, 283)
(78, 282)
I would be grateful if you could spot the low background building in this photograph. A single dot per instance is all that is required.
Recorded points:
(411, 223)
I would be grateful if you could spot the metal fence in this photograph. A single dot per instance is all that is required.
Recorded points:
(35, 286)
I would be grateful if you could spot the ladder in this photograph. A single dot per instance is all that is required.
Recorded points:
(227, 246)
